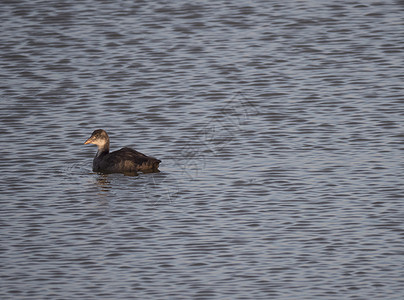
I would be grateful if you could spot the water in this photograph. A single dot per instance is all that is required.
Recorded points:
(280, 129)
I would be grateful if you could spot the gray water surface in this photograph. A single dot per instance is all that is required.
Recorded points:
(280, 129)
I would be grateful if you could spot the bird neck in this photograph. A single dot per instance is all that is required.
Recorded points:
(103, 149)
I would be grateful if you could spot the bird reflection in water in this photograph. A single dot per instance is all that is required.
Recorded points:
(103, 183)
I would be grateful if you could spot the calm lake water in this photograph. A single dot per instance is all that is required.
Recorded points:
(280, 129)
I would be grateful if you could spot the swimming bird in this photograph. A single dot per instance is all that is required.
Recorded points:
(125, 160)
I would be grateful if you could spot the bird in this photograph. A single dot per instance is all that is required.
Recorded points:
(125, 160)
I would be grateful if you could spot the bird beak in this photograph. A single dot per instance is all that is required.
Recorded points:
(88, 141)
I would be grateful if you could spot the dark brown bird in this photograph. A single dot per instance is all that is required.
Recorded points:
(125, 160)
